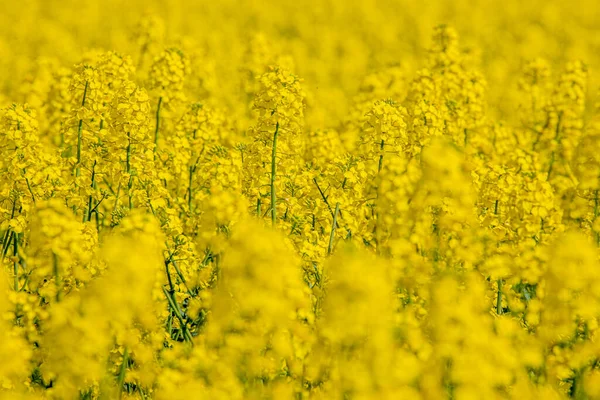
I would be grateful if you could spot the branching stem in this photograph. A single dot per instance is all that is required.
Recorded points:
(333, 225)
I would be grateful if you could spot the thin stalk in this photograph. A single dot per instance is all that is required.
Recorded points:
(173, 302)
(180, 274)
(56, 277)
(258, 207)
(14, 208)
(90, 209)
(170, 324)
(128, 155)
(29, 186)
(323, 196)
(190, 188)
(26, 281)
(9, 232)
(374, 211)
(157, 127)
(553, 156)
(122, 372)
(79, 134)
(381, 156)
(108, 185)
(128, 167)
(10, 237)
(171, 287)
(333, 225)
(95, 208)
(117, 197)
(5, 237)
(499, 298)
(273, 172)
(16, 262)
(170, 298)
(98, 225)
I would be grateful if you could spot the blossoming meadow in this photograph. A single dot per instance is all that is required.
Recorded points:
(334, 199)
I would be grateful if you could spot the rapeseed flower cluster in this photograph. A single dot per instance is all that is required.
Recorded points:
(303, 200)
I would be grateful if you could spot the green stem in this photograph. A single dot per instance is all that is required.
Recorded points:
(273, 172)
(98, 224)
(577, 390)
(79, 134)
(258, 206)
(5, 237)
(333, 225)
(128, 166)
(170, 324)
(180, 274)
(10, 237)
(171, 287)
(381, 157)
(157, 127)
(56, 277)
(117, 197)
(29, 186)
(499, 298)
(173, 303)
(90, 209)
(553, 155)
(323, 196)
(16, 262)
(190, 188)
(122, 372)
(9, 232)
(128, 155)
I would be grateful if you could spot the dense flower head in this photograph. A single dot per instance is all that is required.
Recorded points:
(168, 72)
(280, 99)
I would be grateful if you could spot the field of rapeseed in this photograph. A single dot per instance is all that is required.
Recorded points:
(300, 199)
